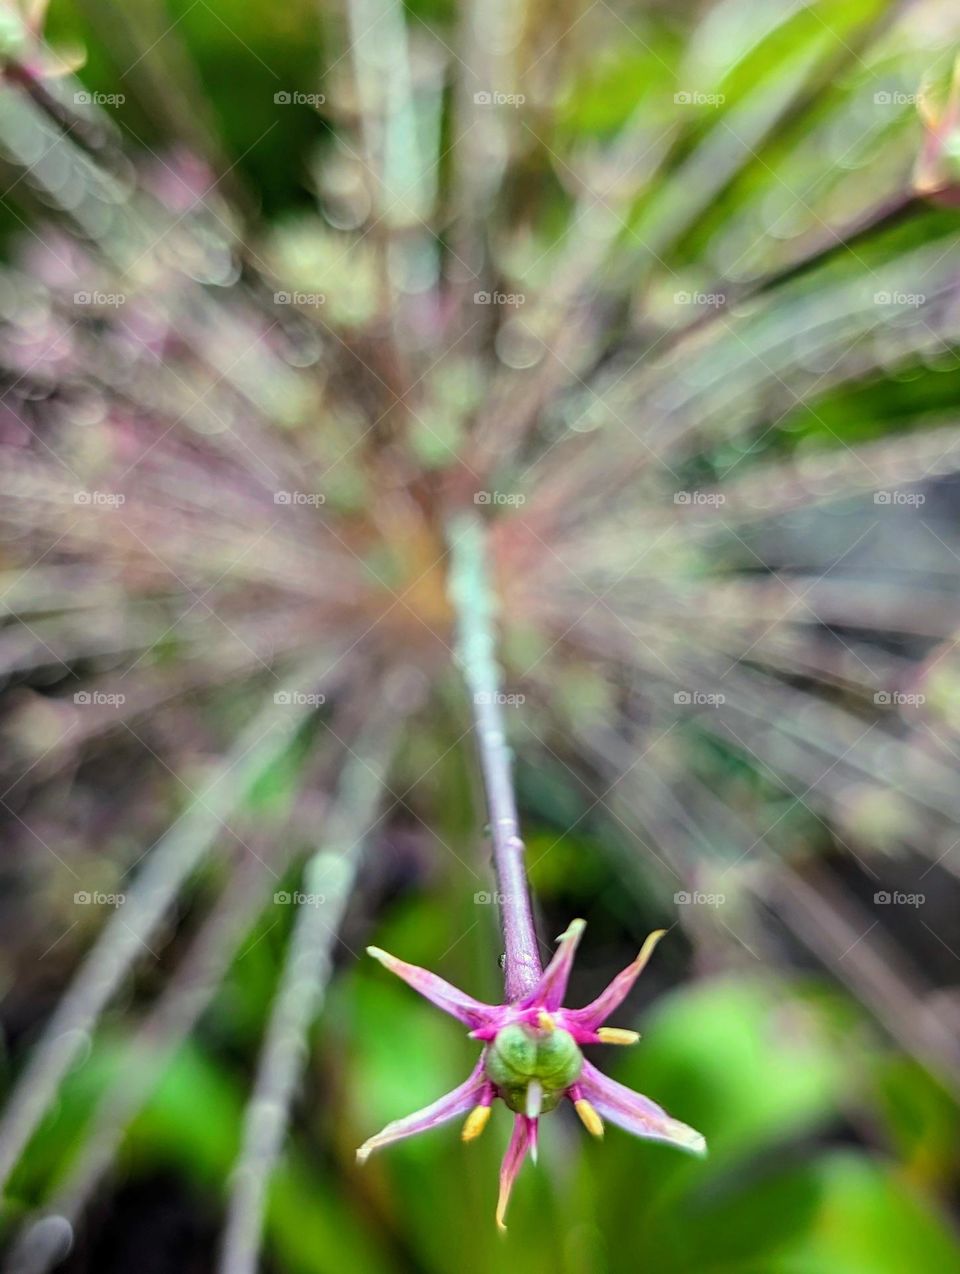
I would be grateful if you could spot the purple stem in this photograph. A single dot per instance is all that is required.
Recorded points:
(473, 601)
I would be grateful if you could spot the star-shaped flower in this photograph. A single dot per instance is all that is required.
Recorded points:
(532, 1059)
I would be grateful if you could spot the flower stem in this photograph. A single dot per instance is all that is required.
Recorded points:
(473, 600)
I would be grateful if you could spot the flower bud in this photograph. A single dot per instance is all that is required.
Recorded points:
(517, 1055)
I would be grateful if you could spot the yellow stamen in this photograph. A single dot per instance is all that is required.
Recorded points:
(616, 1035)
(545, 1021)
(589, 1117)
(502, 1212)
(475, 1123)
(646, 951)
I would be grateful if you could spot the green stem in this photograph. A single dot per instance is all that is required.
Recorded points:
(473, 600)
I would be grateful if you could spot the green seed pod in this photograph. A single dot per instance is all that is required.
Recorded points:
(519, 1054)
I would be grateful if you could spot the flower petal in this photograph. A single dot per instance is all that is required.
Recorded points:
(610, 999)
(552, 986)
(445, 996)
(524, 1132)
(637, 1114)
(445, 1108)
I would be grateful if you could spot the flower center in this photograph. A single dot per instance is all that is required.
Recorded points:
(519, 1056)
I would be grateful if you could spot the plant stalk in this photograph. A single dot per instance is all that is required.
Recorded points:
(473, 600)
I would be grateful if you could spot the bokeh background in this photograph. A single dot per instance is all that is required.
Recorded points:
(353, 255)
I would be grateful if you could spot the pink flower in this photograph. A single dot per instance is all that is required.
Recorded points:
(532, 1060)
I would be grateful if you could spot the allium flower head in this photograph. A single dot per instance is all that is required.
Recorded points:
(532, 1060)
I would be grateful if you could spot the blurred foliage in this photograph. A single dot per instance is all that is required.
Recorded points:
(833, 1152)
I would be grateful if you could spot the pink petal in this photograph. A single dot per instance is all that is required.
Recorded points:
(524, 1133)
(610, 999)
(449, 998)
(445, 1108)
(635, 1113)
(552, 987)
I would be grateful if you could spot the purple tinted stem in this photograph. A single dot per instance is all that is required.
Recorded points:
(473, 601)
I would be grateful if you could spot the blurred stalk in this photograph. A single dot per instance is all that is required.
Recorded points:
(472, 596)
(328, 881)
(196, 981)
(129, 931)
(840, 933)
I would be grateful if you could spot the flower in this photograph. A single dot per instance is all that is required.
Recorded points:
(532, 1060)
